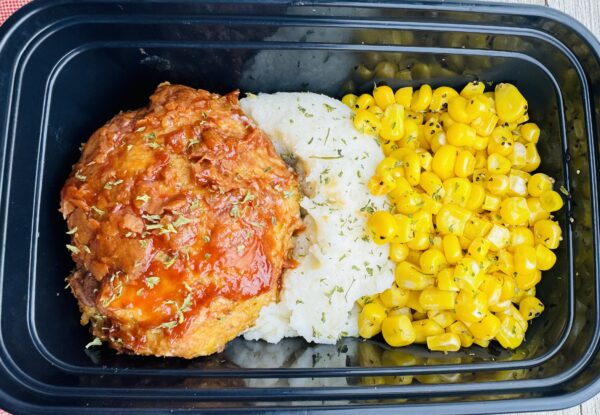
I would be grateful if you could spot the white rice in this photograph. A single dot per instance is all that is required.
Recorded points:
(337, 262)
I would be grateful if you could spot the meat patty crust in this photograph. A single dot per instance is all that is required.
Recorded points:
(181, 216)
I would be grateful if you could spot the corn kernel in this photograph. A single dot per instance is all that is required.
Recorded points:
(420, 242)
(472, 88)
(398, 252)
(514, 313)
(410, 139)
(434, 299)
(452, 219)
(440, 98)
(457, 190)
(536, 212)
(532, 158)
(492, 287)
(480, 176)
(381, 185)
(425, 159)
(497, 184)
(526, 280)
(410, 277)
(364, 102)
(398, 331)
(442, 317)
(446, 120)
(551, 201)
(501, 141)
(367, 299)
(484, 124)
(499, 237)
(432, 261)
(425, 328)
(477, 105)
(547, 232)
(436, 242)
(376, 110)
(438, 141)
(500, 306)
(381, 226)
(510, 104)
(476, 197)
(350, 100)
(452, 249)
(443, 161)
(412, 168)
(366, 122)
(389, 146)
(401, 311)
(538, 184)
(520, 235)
(545, 258)
(465, 164)
(413, 303)
(511, 334)
(525, 259)
(446, 281)
(417, 117)
(505, 262)
(430, 205)
(486, 264)
(471, 306)
(515, 211)
(389, 166)
(446, 342)
(457, 108)
(421, 98)
(464, 242)
(487, 328)
(403, 230)
(530, 308)
(517, 183)
(476, 227)
(480, 160)
(432, 184)
(408, 202)
(384, 96)
(429, 130)
(463, 333)
(403, 96)
(370, 319)
(392, 123)
(413, 257)
(467, 273)
(394, 297)
(480, 145)
(478, 249)
(530, 132)
(461, 135)
(498, 164)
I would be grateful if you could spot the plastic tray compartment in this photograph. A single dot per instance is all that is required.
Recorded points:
(68, 66)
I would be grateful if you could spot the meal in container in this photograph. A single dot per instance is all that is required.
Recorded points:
(414, 214)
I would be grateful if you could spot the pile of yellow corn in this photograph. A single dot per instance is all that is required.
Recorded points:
(470, 227)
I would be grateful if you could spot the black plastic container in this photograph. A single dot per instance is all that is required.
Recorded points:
(68, 66)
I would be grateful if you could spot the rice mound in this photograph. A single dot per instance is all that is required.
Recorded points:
(337, 262)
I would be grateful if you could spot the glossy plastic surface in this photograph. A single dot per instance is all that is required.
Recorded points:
(66, 67)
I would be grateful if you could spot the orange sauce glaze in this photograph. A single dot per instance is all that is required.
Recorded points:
(223, 249)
